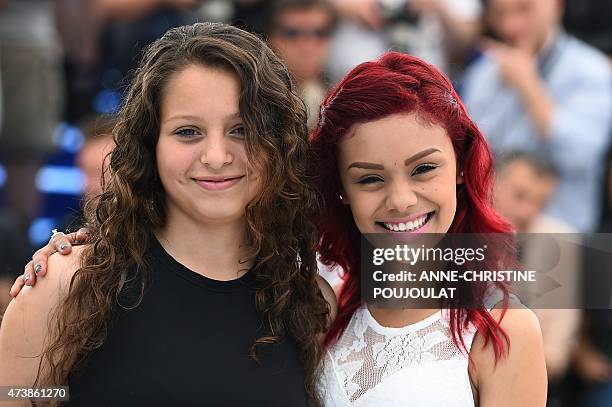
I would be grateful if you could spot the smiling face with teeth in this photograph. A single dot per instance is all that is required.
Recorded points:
(399, 175)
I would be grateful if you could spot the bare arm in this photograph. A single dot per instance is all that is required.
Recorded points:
(25, 329)
(560, 327)
(60, 243)
(539, 104)
(518, 378)
(518, 69)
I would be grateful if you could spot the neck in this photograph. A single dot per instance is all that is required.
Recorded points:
(216, 251)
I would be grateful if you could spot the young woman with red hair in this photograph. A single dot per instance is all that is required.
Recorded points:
(397, 153)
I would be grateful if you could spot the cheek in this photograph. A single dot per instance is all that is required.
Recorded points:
(286, 52)
(443, 193)
(316, 54)
(172, 165)
(364, 205)
(164, 162)
(165, 174)
(451, 196)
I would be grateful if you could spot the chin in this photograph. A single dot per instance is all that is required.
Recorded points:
(222, 215)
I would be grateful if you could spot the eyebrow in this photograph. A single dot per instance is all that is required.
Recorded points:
(232, 116)
(373, 166)
(420, 155)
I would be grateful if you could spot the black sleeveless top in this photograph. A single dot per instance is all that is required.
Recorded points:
(187, 344)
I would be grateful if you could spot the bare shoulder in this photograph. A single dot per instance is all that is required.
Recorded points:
(330, 297)
(519, 376)
(50, 288)
(63, 267)
(60, 269)
(25, 326)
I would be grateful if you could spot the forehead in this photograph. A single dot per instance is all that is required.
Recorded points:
(197, 90)
(523, 4)
(393, 138)
(523, 173)
(519, 171)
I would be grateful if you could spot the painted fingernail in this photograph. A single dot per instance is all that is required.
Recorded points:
(37, 268)
(63, 247)
(26, 278)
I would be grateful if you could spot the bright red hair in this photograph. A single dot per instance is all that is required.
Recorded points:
(398, 83)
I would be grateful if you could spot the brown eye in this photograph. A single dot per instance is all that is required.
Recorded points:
(422, 169)
(369, 180)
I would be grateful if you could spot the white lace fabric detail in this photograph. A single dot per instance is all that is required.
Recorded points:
(368, 353)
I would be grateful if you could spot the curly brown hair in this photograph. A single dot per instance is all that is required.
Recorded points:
(280, 229)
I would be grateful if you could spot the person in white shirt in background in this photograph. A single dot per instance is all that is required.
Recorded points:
(433, 30)
(541, 90)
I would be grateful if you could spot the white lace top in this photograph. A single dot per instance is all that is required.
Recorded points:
(417, 365)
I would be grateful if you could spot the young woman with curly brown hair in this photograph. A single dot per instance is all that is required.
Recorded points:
(199, 283)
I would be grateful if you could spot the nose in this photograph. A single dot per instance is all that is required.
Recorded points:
(216, 152)
(401, 196)
(311, 41)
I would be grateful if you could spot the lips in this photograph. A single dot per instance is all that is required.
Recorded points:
(414, 224)
(218, 183)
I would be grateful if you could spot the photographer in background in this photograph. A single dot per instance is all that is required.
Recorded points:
(541, 90)
(300, 31)
(428, 29)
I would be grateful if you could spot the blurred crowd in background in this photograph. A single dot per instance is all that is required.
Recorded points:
(535, 75)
